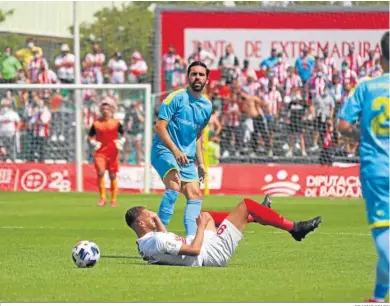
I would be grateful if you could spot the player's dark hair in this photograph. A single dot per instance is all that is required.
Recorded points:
(132, 214)
(198, 63)
(385, 45)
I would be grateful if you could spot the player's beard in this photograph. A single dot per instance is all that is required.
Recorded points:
(197, 86)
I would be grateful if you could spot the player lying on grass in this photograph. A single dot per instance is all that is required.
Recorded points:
(210, 247)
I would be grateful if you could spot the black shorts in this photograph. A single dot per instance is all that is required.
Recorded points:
(296, 126)
(320, 125)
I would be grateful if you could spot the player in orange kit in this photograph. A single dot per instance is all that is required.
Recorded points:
(103, 136)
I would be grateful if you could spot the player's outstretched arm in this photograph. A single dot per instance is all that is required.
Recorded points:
(194, 248)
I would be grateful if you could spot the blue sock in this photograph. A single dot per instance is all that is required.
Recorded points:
(381, 237)
(191, 213)
(167, 206)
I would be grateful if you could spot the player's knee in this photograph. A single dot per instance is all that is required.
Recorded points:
(193, 193)
(100, 173)
(112, 176)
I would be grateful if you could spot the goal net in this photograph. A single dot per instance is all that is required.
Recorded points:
(44, 134)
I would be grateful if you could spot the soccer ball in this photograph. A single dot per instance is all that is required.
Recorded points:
(85, 254)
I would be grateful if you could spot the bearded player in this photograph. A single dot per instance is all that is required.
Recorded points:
(103, 137)
(210, 247)
(177, 146)
(370, 104)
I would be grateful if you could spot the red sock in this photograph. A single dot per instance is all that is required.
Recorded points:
(219, 216)
(266, 216)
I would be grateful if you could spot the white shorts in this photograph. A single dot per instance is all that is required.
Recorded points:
(218, 248)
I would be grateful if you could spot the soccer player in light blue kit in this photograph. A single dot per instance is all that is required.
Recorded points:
(177, 146)
(370, 104)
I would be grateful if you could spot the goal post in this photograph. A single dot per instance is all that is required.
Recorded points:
(70, 120)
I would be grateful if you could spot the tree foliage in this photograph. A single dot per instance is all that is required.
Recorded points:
(124, 29)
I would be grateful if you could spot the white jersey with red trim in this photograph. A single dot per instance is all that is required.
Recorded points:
(163, 248)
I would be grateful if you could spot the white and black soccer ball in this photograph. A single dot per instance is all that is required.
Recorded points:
(85, 254)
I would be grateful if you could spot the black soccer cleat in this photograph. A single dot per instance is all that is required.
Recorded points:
(267, 201)
(302, 228)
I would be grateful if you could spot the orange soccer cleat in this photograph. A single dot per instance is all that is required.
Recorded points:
(113, 203)
(102, 202)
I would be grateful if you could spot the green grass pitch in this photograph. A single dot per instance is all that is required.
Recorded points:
(38, 231)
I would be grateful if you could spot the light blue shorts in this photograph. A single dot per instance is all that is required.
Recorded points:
(165, 162)
(376, 195)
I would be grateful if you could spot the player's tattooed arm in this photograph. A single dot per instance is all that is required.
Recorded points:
(195, 247)
(348, 130)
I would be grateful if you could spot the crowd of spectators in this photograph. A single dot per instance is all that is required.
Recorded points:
(279, 110)
(276, 111)
(37, 125)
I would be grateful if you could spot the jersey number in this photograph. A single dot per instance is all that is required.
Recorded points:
(377, 123)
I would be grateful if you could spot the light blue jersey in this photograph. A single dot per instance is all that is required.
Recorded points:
(370, 103)
(186, 117)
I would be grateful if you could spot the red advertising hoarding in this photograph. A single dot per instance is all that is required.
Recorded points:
(276, 180)
(253, 33)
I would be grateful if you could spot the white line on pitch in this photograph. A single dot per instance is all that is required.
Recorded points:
(178, 231)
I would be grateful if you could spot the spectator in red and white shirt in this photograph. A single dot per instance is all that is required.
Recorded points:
(231, 130)
(348, 76)
(46, 76)
(138, 68)
(377, 70)
(268, 78)
(9, 127)
(35, 65)
(65, 65)
(293, 80)
(317, 83)
(117, 68)
(202, 55)
(280, 69)
(329, 63)
(41, 129)
(369, 64)
(251, 87)
(168, 65)
(353, 59)
(94, 62)
(245, 71)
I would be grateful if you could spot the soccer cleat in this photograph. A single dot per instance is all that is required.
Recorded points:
(113, 203)
(102, 202)
(267, 201)
(302, 228)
